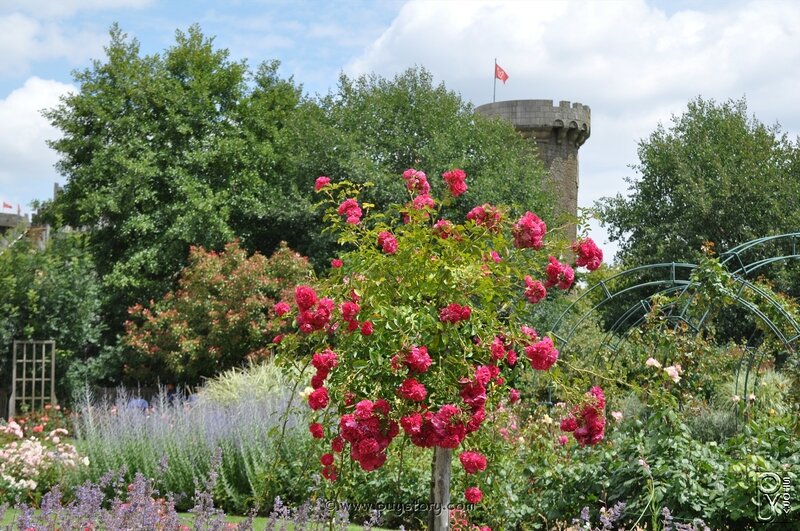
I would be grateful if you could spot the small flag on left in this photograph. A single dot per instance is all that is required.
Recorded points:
(7, 205)
(500, 74)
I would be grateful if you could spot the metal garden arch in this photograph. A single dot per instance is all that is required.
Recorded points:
(742, 262)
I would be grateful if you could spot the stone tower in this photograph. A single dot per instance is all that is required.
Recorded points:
(559, 131)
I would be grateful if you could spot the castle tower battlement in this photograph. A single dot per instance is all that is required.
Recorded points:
(559, 131)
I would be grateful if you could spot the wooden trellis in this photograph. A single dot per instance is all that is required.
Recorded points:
(33, 375)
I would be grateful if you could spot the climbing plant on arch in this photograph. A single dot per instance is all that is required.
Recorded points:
(696, 293)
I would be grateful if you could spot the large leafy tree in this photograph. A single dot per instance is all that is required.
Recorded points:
(373, 128)
(165, 151)
(715, 174)
(188, 147)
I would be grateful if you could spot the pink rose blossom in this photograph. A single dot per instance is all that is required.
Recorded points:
(588, 254)
(558, 274)
(529, 232)
(321, 183)
(455, 179)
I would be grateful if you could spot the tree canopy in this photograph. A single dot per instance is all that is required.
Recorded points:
(716, 175)
(188, 147)
(371, 129)
(166, 151)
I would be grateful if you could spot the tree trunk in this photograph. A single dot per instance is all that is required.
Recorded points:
(439, 515)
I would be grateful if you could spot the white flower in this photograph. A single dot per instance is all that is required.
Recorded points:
(652, 362)
(674, 372)
(751, 397)
(304, 394)
(736, 398)
(617, 415)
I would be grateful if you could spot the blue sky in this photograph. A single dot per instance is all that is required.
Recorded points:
(635, 62)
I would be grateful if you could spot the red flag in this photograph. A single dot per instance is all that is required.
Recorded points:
(500, 74)
(6, 205)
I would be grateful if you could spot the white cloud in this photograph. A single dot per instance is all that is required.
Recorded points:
(27, 168)
(32, 40)
(633, 63)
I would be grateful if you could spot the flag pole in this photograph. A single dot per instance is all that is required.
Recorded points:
(494, 75)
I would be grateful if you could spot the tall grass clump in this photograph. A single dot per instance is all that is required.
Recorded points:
(249, 415)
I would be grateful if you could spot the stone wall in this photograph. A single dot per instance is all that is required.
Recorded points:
(559, 131)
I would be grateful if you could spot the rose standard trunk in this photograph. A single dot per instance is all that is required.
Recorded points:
(439, 514)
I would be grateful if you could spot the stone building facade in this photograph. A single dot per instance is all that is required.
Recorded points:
(558, 131)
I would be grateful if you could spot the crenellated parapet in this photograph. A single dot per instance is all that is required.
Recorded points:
(559, 131)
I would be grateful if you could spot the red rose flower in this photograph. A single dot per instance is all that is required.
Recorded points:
(318, 399)
(455, 179)
(321, 183)
(473, 462)
(473, 495)
(366, 328)
(412, 390)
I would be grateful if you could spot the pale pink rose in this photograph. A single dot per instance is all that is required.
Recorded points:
(674, 372)
(617, 415)
(652, 362)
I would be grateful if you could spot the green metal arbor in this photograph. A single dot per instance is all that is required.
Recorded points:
(743, 263)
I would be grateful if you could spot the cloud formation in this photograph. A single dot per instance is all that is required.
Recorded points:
(27, 162)
(634, 64)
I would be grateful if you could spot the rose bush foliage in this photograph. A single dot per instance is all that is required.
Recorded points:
(218, 317)
(420, 324)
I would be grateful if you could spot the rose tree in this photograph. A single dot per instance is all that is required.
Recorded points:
(419, 325)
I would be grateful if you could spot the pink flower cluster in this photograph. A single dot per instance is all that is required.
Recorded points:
(500, 350)
(418, 359)
(422, 202)
(456, 180)
(369, 432)
(349, 311)
(444, 429)
(387, 242)
(350, 210)
(588, 254)
(416, 181)
(454, 313)
(487, 216)
(473, 462)
(535, 291)
(558, 274)
(586, 422)
(318, 399)
(529, 232)
(321, 183)
(324, 362)
(281, 308)
(313, 315)
(443, 229)
(542, 354)
(412, 390)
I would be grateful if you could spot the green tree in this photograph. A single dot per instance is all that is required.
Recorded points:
(51, 293)
(166, 151)
(716, 174)
(373, 128)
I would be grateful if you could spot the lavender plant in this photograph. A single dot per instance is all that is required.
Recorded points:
(254, 435)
